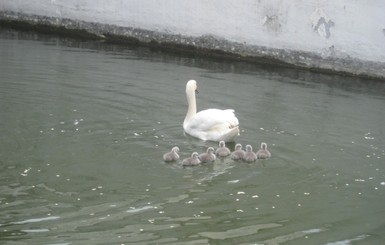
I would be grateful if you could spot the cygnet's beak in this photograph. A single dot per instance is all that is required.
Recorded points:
(196, 91)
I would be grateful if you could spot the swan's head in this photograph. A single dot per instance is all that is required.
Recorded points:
(221, 143)
(238, 147)
(191, 87)
(194, 155)
(249, 148)
(263, 146)
(175, 149)
(210, 150)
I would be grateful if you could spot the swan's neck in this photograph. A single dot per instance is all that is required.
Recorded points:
(192, 106)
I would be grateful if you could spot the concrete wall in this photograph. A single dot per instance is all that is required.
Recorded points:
(346, 36)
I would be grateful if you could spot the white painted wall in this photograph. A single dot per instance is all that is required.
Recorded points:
(357, 29)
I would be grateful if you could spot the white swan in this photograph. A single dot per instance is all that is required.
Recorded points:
(172, 155)
(263, 153)
(208, 156)
(238, 154)
(210, 124)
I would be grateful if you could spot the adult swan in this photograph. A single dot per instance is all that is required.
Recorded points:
(210, 124)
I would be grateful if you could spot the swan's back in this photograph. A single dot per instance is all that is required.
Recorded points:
(214, 125)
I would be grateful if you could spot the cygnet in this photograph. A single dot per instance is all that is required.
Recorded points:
(192, 161)
(238, 154)
(208, 156)
(250, 156)
(222, 151)
(172, 155)
(263, 153)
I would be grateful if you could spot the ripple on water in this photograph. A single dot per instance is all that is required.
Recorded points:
(35, 220)
(141, 209)
(348, 241)
(292, 236)
(35, 230)
(238, 232)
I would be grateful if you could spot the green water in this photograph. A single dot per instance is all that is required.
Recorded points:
(84, 126)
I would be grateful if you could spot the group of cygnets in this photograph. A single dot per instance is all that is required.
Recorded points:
(222, 151)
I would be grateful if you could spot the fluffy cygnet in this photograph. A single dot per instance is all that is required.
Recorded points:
(250, 156)
(263, 153)
(172, 155)
(208, 156)
(192, 161)
(222, 151)
(238, 154)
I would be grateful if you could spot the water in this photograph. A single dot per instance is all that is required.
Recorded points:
(84, 126)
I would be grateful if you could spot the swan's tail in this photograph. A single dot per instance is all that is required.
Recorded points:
(229, 136)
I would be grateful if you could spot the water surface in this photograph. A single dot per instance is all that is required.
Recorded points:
(84, 126)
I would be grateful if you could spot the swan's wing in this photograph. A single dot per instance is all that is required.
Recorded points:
(213, 119)
(213, 124)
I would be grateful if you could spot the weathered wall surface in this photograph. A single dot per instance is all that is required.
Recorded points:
(343, 36)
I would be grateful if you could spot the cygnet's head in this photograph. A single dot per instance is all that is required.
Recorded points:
(238, 147)
(221, 143)
(249, 148)
(263, 146)
(195, 155)
(210, 150)
(175, 149)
